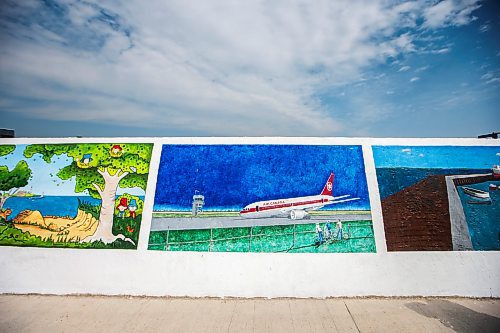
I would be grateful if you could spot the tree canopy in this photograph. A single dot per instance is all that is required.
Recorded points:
(90, 158)
(18, 177)
(6, 149)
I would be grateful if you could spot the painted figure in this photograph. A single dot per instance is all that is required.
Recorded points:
(5, 214)
(86, 159)
(116, 151)
(339, 230)
(326, 232)
(132, 207)
(320, 233)
(329, 229)
(122, 207)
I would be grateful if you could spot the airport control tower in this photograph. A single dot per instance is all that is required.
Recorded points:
(198, 202)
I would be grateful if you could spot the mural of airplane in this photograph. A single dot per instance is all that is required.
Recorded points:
(294, 208)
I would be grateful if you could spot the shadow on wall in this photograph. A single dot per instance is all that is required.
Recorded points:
(456, 316)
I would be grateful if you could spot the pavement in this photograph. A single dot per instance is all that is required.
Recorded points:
(37, 313)
(185, 223)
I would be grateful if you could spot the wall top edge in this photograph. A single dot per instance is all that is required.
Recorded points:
(261, 140)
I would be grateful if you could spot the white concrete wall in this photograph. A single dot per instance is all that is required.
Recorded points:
(159, 273)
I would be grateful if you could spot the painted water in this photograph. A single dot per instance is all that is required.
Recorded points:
(64, 206)
(483, 217)
(393, 180)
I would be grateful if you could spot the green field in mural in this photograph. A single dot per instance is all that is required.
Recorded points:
(294, 238)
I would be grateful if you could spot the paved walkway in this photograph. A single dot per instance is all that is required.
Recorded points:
(36, 313)
(185, 223)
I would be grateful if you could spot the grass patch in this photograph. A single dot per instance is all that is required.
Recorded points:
(87, 207)
(200, 215)
(129, 227)
(276, 238)
(10, 236)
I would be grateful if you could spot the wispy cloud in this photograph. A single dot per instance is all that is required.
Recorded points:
(485, 27)
(421, 69)
(490, 77)
(450, 12)
(187, 65)
(441, 51)
(414, 79)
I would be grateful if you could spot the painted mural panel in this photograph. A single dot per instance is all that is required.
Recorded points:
(262, 198)
(439, 198)
(72, 195)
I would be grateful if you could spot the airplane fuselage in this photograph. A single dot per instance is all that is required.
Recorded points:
(285, 207)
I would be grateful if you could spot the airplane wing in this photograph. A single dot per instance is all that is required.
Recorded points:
(345, 200)
(344, 197)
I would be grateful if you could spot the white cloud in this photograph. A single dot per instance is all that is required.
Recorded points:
(443, 50)
(414, 79)
(450, 12)
(421, 69)
(493, 80)
(487, 76)
(485, 27)
(212, 68)
(404, 69)
(490, 77)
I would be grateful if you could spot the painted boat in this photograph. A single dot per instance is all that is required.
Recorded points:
(496, 171)
(474, 192)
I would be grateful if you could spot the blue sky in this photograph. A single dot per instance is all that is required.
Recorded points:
(237, 175)
(383, 68)
(446, 157)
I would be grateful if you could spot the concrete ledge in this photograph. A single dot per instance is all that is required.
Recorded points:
(159, 273)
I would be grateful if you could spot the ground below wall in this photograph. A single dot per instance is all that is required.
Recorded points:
(119, 314)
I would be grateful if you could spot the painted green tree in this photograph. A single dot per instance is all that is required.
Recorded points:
(11, 181)
(99, 169)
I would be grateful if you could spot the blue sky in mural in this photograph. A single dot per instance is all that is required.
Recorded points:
(446, 157)
(44, 178)
(234, 176)
(317, 68)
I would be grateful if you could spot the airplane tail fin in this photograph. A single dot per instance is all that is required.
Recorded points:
(328, 189)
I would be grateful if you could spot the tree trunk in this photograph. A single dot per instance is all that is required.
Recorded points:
(3, 199)
(104, 231)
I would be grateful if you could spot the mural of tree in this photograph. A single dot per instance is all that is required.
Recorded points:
(99, 169)
(11, 181)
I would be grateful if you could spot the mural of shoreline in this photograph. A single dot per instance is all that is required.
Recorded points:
(439, 198)
(72, 195)
(261, 198)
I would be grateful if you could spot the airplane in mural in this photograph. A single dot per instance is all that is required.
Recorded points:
(294, 208)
